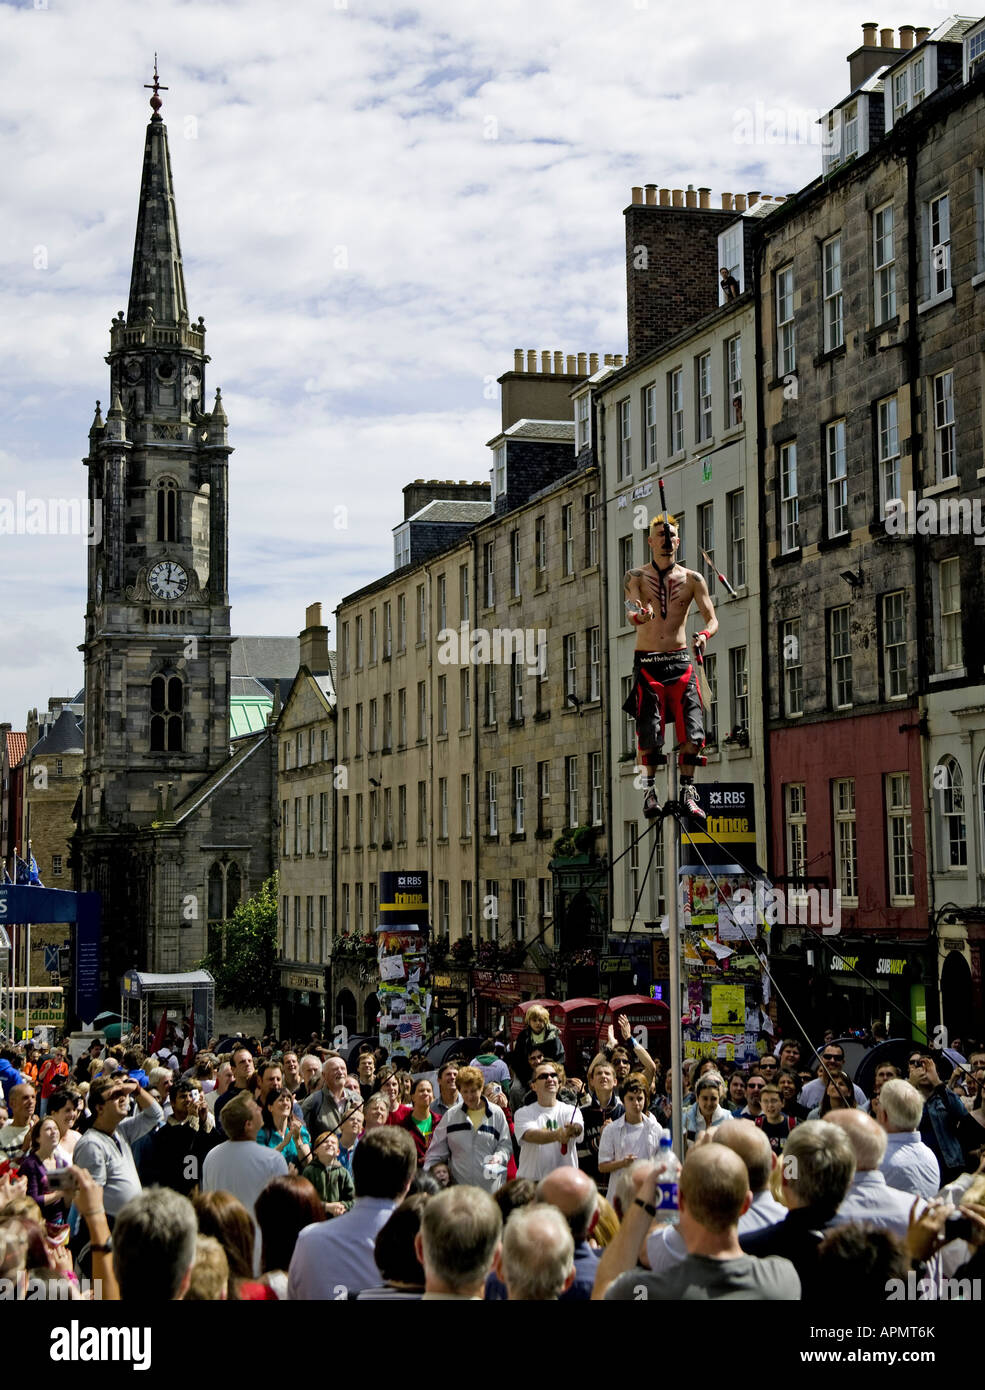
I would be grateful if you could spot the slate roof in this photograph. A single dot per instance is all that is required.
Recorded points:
(449, 510)
(266, 658)
(64, 736)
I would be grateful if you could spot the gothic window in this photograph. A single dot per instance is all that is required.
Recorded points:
(166, 703)
(167, 510)
(224, 890)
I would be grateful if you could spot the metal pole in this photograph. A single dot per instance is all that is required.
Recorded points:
(27, 981)
(671, 846)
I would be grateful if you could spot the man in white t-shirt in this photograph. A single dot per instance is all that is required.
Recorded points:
(241, 1165)
(547, 1131)
(635, 1135)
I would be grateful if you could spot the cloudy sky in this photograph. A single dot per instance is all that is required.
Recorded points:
(377, 203)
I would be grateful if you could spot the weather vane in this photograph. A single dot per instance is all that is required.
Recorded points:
(156, 87)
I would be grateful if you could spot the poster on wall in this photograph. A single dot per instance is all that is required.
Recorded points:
(401, 953)
(727, 992)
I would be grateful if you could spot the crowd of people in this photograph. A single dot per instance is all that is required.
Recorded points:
(268, 1171)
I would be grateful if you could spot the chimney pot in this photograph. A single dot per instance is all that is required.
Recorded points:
(531, 360)
(518, 359)
(637, 195)
(704, 197)
(559, 362)
(753, 197)
(727, 204)
(906, 32)
(651, 194)
(886, 37)
(740, 202)
(869, 31)
(545, 361)
(607, 360)
(619, 359)
(691, 198)
(582, 364)
(678, 197)
(569, 364)
(593, 363)
(665, 197)
(921, 34)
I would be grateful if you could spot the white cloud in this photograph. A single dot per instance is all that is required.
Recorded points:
(472, 160)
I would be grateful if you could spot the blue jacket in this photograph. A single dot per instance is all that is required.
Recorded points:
(942, 1114)
(9, 1076)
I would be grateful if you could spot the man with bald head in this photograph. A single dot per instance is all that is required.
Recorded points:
(665, 1246)
(870, 1198)
(713, 1194)
(576, 1197)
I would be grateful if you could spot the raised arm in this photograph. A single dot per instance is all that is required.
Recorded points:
(706, 608)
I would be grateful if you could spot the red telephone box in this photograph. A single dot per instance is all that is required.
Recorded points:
(652, 1015)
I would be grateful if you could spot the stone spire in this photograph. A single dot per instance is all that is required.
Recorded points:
(157, 282)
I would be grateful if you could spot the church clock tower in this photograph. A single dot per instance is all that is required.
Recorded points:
(157, 636)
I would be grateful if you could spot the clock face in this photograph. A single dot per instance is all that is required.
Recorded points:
(167, 579)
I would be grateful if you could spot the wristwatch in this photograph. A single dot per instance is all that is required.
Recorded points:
(648, 1207)
(106, 1249)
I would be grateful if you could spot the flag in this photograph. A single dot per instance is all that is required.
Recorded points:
(158, 1037)
(6, 875)
(33, 877)
(22, 873)
(190, 1046)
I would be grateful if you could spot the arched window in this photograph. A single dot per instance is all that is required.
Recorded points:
(949, 785)
(167, 510)
(166, 723)
(224, 891)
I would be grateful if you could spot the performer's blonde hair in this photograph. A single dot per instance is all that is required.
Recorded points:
(659, 520)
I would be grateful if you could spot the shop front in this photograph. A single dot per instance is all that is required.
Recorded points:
(450, 1008)
(302, 1000)
(846, 983)
(495, 992)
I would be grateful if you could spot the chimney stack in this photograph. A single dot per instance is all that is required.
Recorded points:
(314, 642)
(868, 59)
(906, 32)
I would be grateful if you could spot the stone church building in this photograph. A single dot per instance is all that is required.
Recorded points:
(177, 817)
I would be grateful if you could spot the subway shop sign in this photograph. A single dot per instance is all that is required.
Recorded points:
(730, 834)
(404, 900)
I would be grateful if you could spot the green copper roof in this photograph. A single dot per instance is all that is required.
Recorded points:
(248, 714)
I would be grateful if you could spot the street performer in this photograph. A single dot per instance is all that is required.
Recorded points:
(658, 598)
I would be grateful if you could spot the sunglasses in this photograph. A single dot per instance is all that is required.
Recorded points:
(546, 1076)
(831, 1057)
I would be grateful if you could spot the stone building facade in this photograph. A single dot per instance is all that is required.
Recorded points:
(684, 411)
(306, 791)
(870, 379)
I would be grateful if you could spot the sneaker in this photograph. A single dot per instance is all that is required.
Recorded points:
(690, 803)
(651, 805)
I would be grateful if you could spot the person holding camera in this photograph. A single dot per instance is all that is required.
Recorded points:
(105, 1151)
(174, 1154)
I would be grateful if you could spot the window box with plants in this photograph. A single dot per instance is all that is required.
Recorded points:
(575, 845)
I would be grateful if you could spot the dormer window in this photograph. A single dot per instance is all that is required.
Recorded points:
(849, 126)
(974, 51)
(499, 471)
(401, 547)
(582, 422)
(910, 84)
(730, 256)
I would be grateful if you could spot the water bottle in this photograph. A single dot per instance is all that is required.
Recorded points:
(670, 1170)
